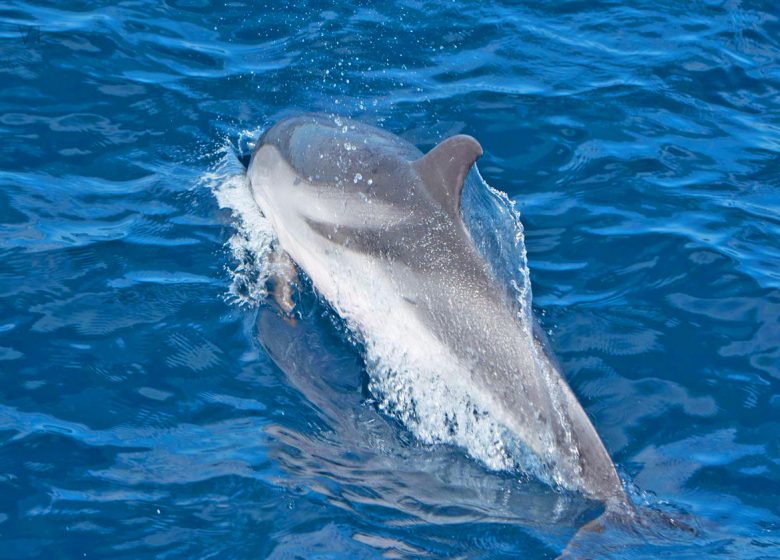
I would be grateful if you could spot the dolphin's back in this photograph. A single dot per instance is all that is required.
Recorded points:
(377, 227)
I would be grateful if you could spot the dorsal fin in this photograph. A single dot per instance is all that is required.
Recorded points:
(445, 167)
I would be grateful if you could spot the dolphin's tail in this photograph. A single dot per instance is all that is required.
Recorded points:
(621, 527)
(596, 539)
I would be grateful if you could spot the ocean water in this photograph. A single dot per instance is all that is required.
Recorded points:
(152, 402)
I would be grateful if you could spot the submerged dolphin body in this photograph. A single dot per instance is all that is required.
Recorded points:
(377, 227)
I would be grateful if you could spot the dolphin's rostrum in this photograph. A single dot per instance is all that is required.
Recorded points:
(376, 225)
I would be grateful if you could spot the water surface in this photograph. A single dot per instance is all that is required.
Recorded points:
(139, 413)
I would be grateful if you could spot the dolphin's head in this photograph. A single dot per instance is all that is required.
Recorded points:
(337, 153)
(324, 150)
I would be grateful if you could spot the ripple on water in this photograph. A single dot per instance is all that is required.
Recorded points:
(139, 415)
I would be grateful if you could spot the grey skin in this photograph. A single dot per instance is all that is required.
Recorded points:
(357, 208)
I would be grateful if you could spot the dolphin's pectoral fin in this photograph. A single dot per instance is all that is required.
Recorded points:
(445, 167)
(283, 278)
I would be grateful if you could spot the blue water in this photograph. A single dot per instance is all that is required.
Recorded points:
(151, 405)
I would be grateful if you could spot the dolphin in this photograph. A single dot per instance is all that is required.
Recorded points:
(376, 226)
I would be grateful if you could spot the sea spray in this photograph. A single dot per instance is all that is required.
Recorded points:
(254, 239)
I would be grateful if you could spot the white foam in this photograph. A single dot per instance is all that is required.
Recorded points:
(252, 243)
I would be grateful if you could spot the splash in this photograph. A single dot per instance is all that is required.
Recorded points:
(494, 224)
(253, 242)
(493, 221)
